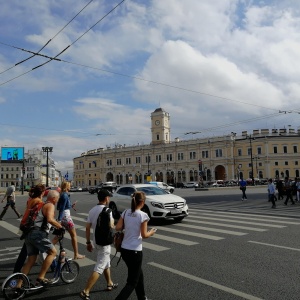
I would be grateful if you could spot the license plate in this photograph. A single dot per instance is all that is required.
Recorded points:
(176, 211)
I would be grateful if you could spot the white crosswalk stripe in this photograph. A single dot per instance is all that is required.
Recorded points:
(220, 219)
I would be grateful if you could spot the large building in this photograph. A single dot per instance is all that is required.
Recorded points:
(260, 154)
(30, 171)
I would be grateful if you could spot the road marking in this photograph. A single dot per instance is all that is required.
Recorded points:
(276, 246)
(240, 222)
(212, 229)
(205, 236)
(244, 214)
(206, 282)
(234, 216)
(189, 220)
(9, 253)
(10, 249)
(174, 240)
(9, 258)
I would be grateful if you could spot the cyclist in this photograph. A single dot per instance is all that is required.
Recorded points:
(37, 239)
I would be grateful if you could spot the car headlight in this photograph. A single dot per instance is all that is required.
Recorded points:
(157, 204)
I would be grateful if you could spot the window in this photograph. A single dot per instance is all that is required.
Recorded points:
(295, 148)
(239, 152)
(109, 162)
(158, 158)
(258, 150)
(296, 163)
(128, 161)
(193, 155)
(205, 154)
(275, 149)
(169, 157)
(138, 160)
(260, 164)
(218, 152)
(249, 151)
(180, 156)
(286, 163)
(157, 137)
(276, 163)
(119, 161)
(284, 149)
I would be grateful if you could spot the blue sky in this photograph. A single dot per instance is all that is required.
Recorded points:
(216, 66)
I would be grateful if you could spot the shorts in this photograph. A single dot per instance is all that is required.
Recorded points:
(67, 222)
(37, 241)
(103, 258)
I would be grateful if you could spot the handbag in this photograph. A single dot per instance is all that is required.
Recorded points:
(118, 239)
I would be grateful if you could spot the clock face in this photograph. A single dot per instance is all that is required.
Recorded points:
(157, 122)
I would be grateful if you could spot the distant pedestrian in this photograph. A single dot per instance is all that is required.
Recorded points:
(271, 192)
(279, 186)
(288, 189)
(11, 201)
(243, 186)
(135, 223)
(298, 189)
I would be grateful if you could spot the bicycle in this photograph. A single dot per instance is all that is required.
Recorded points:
(64, 268)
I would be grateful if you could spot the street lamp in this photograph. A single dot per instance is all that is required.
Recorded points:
(250, 137)
(256, 158)
(23, 174)
(47, 150)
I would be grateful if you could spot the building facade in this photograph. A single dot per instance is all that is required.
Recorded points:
(260, 154)
(30, 171)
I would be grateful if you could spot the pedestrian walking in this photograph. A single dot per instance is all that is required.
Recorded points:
(243, 187)
(64, 205)
(103, 252)
(298, 189)
(135, 223)
(279, 186)
(271, 192)
(10, 201)
(288, 189)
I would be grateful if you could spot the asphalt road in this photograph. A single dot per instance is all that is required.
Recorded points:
(225, 249)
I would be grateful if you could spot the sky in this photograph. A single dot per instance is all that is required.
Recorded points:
(98, 69)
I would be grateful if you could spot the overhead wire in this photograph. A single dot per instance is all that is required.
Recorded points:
(38, 53)
(54, 58)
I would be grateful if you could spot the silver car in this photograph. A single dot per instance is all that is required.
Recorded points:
(159, 204)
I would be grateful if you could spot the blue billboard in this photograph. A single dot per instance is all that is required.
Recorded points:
(12, 153)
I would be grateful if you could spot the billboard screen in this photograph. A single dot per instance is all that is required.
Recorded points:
(12, 153)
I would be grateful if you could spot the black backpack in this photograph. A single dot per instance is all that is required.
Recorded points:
(104, 234)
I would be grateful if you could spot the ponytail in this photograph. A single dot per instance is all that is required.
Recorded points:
(36, 191)
(137, 198)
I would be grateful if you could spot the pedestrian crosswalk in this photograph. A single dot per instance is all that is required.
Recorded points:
(209, 221)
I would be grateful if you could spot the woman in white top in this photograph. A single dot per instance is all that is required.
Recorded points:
(134, 221)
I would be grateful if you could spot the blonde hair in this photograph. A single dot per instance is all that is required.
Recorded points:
(64, 186)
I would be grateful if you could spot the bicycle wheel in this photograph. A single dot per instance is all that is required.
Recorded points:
(69, 271)
(10, 289)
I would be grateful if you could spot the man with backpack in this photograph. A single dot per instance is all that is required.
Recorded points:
(11, 201)
(100, 219)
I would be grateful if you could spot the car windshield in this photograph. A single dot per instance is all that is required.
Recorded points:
(152, 190)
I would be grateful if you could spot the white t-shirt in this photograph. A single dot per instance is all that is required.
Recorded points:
(93, 216)
(132, 237)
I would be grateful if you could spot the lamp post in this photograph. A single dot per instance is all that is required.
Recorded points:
(256, 158)
(251, 156)
(47, 150)
(23, 174)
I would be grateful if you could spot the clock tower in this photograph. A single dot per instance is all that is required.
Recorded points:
(160, 126)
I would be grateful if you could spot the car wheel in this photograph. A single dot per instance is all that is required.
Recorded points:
(171, 191)
(146, 210)
(115, 212)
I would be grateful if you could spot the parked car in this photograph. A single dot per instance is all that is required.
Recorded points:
(76, 189)
(218, 183)
(159, 204)
(191, 184)
(163, 186)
